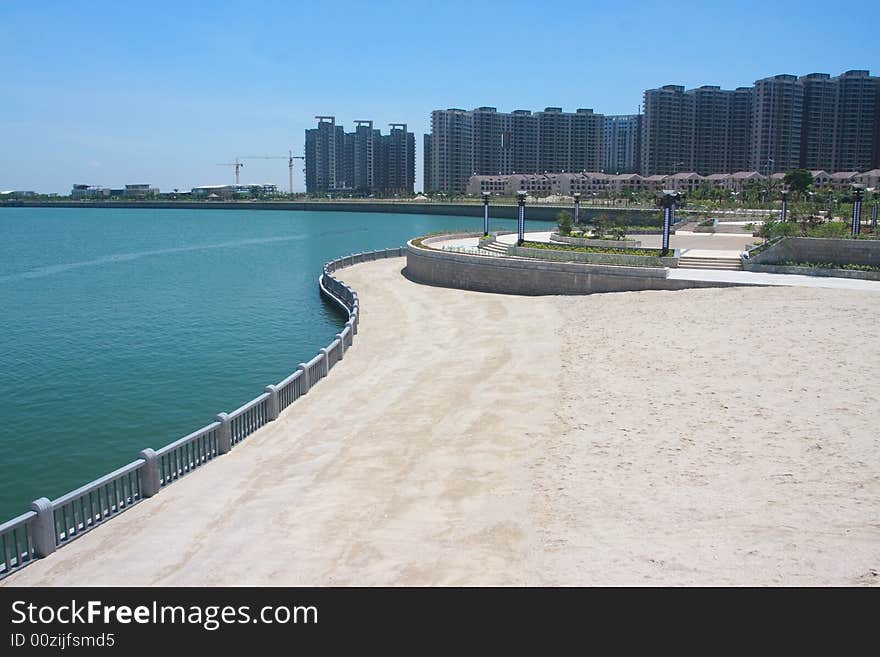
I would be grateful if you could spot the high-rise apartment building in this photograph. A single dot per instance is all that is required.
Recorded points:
(398, 161)
(325, 156)
(710, 141)
(586, 135)
(739, 155)
(780, 123)
(452, 150)
(426, 161)
(620, 144)
(819, 117)
(667, 131)
(364, 161)
(487, 142)
(857, 121)
(777, 123)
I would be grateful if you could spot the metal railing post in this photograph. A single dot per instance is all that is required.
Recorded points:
(304, 383)
(224, 434)
(44, 527)
(272, 403)
(150, 476)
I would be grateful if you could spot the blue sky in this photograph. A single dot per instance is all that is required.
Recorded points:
(120, 92)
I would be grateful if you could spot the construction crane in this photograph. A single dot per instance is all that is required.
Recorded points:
(238, 165)
(290, 157)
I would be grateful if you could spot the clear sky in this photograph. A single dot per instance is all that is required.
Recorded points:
(111, 93)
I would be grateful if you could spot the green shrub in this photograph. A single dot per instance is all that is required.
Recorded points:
(830, 265)
(600, 226)
(831, 229)
(618, 233)
(565, 222)
(619, 250)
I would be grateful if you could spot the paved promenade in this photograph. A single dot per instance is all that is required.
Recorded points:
(714, 436)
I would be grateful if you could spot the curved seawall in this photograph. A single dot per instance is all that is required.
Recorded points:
(527, 276)
(52, 524)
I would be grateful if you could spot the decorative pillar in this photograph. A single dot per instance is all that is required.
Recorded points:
(857, 210)
(577, 208)
(784, 214)
(486, 214)
(521, 227)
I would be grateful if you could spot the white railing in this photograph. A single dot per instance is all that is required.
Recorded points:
(185, 455)
(246, 419)
(289, 390)
(88, 506)
(51, 524)
(17, 542)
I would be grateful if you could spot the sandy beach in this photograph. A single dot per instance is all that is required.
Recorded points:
(714, 436)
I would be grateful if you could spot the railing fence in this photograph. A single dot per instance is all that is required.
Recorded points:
(51, 524)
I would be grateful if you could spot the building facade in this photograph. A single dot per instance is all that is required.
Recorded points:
(360, 162)
(485, 141)
(857, 121)
(620, 143)
(667, 131)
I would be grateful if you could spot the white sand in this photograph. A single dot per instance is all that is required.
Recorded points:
(722, 436)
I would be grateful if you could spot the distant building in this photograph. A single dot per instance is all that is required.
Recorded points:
(857, 121)
(16, 194)
(452, 150)
(140, 191)
(777, 121)
(360, 162)
(325, 156)
(487, 142)
(620, 143)
(667, 131)
(89, 192)
(596, 183)
(819, 118)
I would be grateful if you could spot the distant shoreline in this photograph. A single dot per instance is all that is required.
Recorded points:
(496, 211)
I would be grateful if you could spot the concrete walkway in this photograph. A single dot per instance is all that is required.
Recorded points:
(472, 439)
(759, 278)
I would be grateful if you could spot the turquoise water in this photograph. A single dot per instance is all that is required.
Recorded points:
(125, 329)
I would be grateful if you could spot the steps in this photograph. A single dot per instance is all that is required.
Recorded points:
(495, 248)
(722, 264)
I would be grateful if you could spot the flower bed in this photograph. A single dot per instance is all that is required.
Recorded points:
(600, 255)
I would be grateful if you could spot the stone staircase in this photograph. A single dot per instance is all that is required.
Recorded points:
(495, 248)
(700, 262)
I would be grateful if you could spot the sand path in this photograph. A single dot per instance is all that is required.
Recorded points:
(722, 436)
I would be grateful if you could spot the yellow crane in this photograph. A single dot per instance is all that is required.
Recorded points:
(290, 157)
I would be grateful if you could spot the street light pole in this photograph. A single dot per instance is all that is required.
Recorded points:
(784, 216)
(857, 210)
(577, 207)
(521, 227)
(486, 214)
(669, 196)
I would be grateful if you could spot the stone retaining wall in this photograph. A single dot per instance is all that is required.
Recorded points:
(818, 249)
(507, 275)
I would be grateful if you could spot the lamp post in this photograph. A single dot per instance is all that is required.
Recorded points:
(486, 196)
(873, 192)
(521, 223)
(784, 214)
(669, 197)
(577, 207)
(857, 209)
